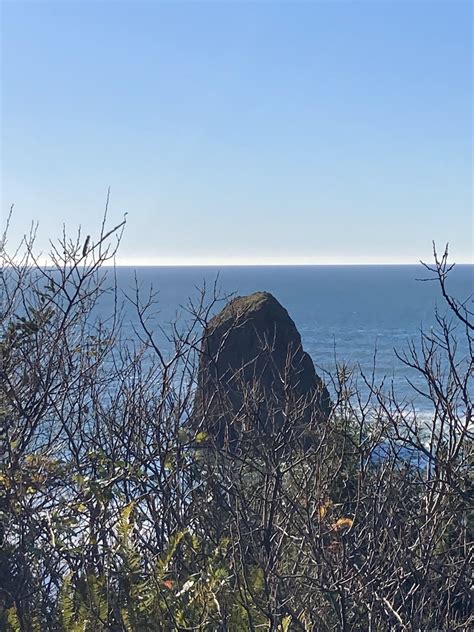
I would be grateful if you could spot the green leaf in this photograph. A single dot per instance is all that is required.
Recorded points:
(201, 436)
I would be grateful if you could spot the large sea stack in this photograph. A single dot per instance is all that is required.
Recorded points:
(254, 378)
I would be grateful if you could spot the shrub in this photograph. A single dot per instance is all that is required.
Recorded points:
(114, 515)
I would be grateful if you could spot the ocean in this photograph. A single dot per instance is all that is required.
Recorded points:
(343, 313)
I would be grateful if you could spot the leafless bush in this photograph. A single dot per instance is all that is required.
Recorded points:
(118, 512)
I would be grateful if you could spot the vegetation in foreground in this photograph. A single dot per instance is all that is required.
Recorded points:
(116, 515)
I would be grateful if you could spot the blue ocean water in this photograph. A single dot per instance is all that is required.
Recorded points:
(342, 312)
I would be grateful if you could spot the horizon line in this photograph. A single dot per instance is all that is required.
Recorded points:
(272, 264)
(140, 263)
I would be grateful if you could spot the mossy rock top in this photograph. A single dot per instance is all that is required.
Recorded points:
(242, 306)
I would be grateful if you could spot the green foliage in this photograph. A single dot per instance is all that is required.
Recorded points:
(12, 620)
(116, 515)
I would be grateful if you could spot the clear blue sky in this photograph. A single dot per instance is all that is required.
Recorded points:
(242, 132)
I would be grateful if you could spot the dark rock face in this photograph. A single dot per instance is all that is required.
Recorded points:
(254, 377)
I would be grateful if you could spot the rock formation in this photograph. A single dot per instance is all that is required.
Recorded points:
(254, 378)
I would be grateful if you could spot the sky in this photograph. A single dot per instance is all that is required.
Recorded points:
(241, 132)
